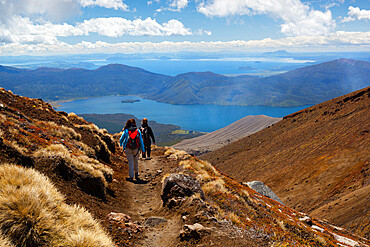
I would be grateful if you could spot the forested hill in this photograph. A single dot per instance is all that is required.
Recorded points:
(308, 85)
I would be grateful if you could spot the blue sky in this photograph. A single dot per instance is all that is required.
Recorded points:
(45, 27)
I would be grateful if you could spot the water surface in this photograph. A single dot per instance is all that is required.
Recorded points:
(205, 118)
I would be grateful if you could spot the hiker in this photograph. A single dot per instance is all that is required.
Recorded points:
(132, 142)
(147, 136)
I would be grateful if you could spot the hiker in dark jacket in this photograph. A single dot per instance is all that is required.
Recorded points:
(132, 142)
(147, 136)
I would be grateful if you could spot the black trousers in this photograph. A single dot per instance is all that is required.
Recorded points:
(148, 149)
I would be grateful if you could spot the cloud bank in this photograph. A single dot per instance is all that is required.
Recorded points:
(336, 40)
(298, 18)
(356, 13)
(110, 4)
(23, 30)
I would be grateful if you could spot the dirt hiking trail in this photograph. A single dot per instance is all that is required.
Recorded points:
(144, 201)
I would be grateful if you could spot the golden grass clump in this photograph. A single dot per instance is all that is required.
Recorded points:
(86, 149)
(177, 154)
(73, 115)
(33, 213)
(2, 118)
(15, 145)
(200, 166)
(234, 218)
(215, 185)
(63, 131)
(81, 162)
(103, 131)
(5, 242)
(89, 127)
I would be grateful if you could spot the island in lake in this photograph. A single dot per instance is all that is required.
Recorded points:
(130, 101)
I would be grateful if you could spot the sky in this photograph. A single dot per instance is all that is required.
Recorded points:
(49, 27)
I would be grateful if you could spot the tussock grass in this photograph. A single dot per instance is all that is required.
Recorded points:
(15, 145)
(5, 241)
(103, 131)
(73, 115)
(2, 118)
(86, 149)
(33, 213)
(62, 131)
(200, 166)
(81, 162)
(233, 218)
(177, 154)
(215, 185)
(89, 127)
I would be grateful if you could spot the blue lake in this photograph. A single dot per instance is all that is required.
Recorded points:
(205, 118)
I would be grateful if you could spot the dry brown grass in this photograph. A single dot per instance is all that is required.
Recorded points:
(73, 115)
(15, 145)
(177, 154)
(89, 127)
(62, 131)
(33, 213)
(81, 162)
(5, 241)
(86, 149)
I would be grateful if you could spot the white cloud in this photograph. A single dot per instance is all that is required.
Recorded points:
(54, 10)
(335, 41)
(117, 27)
(110, 4)
(298, 18)
(175, 5)
(178, 4)
(23, 30)
(356, 13)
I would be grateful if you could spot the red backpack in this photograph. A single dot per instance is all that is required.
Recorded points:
(133, 141)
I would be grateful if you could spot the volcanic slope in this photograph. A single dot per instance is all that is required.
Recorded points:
(82, 164)
(219, 138)
(315, 160)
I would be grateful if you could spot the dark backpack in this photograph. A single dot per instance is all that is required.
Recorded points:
(133, 141)
(145, 132)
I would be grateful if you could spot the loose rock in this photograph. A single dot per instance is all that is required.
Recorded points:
(178, 186)
(195, 231)
(153, 221)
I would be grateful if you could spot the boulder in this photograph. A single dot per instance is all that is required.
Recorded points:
(195, 231)
(124, 222)
(263, 190)
(179, 186)
(153, 221)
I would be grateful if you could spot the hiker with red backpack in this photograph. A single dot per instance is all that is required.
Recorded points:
(132, 143)
(147, 137)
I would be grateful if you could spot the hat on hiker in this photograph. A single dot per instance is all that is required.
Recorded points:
(145, 120)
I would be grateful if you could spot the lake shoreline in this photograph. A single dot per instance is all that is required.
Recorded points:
(202, 118)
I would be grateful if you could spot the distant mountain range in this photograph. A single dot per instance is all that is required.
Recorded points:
(304, 86)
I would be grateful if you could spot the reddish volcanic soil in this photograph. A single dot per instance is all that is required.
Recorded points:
(315, 160)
